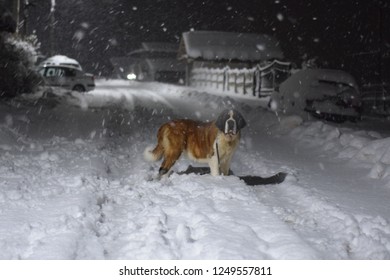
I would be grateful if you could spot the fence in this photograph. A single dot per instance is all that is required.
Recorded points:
(258, 81)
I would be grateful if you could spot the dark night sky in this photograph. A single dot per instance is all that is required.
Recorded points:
(92, 31)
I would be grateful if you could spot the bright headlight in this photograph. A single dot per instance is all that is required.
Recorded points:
(131, 76)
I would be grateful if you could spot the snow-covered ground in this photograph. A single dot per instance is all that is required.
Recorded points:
(74, 183)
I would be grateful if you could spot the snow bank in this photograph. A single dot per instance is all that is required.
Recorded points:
(363, 147)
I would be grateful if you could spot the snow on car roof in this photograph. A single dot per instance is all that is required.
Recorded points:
(61, 60)
(337, 76)
(215, 45)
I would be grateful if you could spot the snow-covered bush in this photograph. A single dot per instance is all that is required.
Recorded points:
(17, 59)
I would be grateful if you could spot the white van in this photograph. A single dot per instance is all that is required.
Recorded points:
(62, 71)
(67, 77)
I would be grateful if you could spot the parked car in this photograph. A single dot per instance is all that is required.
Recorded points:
(324, 93)
(67, 77)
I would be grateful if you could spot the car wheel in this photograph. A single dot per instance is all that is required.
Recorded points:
(78, 88)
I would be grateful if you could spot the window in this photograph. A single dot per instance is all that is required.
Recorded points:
(55, 72)
(70, 72)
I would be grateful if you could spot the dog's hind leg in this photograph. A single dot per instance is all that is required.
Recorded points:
(168, 162)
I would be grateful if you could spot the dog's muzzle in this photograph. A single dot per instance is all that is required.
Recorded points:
(231, 126)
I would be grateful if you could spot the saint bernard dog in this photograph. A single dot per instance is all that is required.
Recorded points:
(205, 142)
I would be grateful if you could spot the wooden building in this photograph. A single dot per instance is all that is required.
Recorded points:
(205, 51)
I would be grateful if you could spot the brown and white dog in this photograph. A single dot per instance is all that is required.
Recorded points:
(205, 142)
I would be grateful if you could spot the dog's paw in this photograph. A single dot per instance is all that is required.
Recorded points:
(157, 176)
(149, 178)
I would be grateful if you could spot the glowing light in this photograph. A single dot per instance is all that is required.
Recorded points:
(131, 76)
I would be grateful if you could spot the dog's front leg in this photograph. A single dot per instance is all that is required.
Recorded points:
(214, 165)
(225, 164)
(225, 167)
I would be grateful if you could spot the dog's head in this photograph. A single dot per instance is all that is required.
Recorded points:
(230, 122)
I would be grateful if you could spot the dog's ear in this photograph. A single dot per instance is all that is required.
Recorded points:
(230, 114)
(241, 123)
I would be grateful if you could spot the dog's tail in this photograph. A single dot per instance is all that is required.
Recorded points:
(155, 154)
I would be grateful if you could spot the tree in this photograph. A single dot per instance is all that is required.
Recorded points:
(7, 23)
(16, 59)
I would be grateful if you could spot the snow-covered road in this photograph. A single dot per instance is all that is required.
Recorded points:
(74, 183)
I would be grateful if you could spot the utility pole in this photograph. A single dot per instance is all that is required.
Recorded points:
(381, 43)
(52, 26)
(26, 14)
(16, 13)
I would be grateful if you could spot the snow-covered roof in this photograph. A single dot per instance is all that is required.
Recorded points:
(159, 46)
(123, 61)
(155, 64)
(215, 45)
(164, 64)
(154, 47)
(61, 60)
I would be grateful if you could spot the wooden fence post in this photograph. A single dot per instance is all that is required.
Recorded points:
(256, 81)
(244, 84)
